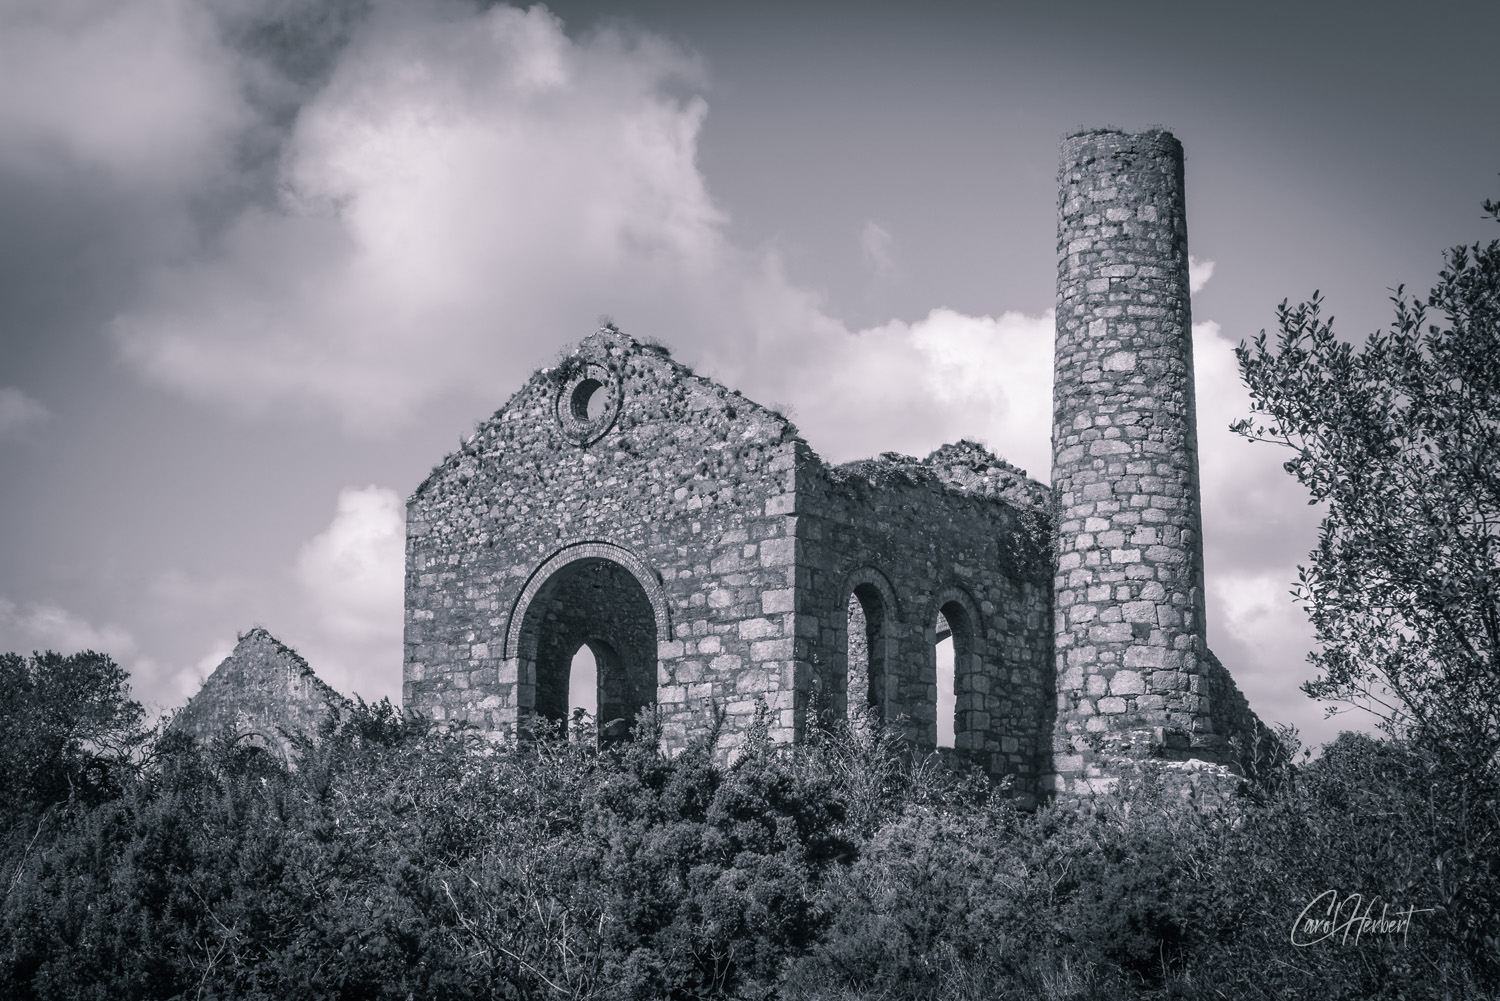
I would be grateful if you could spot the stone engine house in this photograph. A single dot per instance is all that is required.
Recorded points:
(710, 559)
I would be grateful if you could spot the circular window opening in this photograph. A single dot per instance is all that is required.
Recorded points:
(588, 403)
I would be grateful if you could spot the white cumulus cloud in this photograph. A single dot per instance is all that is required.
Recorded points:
(471, 189)
(467, 186)
(1257, 526)
(353, 576)
(38, 626)
(1199, 272)
(909, 387)
(186, 682)
(353, 571)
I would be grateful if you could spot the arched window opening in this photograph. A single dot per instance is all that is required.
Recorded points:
(947, 699)
(866, 649)
(589, 640)
(583, 684)
(953, 644)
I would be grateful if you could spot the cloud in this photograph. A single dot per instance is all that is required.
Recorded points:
(875, 245)
(1259, 512)
(19, 412)
(353, 576)
(186, 682)
(39, 627)
(141, 90)
(1268, 635)
(354, 570)
(912, 386)
(1257, 526)
(470, 186)
(461, 176)
(1199, 272)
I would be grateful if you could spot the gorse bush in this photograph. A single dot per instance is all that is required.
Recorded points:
(397, 859)
(1149, 895)
(394, 858)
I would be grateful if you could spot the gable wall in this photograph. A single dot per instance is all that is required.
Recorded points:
(694, 481)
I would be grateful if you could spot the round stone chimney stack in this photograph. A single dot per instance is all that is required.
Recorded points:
(1129, 629)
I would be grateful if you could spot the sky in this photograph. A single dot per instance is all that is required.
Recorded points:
(263, 263)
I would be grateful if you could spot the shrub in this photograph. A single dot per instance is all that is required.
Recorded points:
(395, 858)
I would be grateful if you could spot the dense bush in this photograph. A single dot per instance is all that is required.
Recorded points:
(398, 859)
(1149, 895)
(69, 726)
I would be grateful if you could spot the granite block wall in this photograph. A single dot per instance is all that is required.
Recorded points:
(709, 558)
(1135, 677)
(620, 456)
(960, 534)
(262, 695)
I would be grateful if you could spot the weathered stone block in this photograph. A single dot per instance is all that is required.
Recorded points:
(779, 600)
(778, 552)
(1146, 656)
(758, 628)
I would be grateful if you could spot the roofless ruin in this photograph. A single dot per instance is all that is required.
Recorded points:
(709, 558)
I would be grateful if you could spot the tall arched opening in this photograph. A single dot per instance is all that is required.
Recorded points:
(953, 656)
(868, 630)
(597, 603)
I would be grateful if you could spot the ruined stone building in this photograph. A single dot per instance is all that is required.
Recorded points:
(709, 558)
(260, 696)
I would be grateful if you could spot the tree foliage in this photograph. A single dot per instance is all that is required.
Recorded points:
(1400, 438)
(68, 723)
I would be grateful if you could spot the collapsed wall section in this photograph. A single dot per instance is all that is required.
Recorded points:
(262, 695)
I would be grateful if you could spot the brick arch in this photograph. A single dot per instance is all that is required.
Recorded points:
(573, 553)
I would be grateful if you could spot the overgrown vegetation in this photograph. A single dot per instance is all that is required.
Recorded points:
(399, 859)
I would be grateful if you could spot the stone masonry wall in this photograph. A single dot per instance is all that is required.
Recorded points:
(1240, 729)
(687, 483)
(959, 526)
(260, 694)
(1129, 603)
(729, 551)
(691, 535)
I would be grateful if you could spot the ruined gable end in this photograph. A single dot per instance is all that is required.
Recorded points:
(711, 563)
(258, 696)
